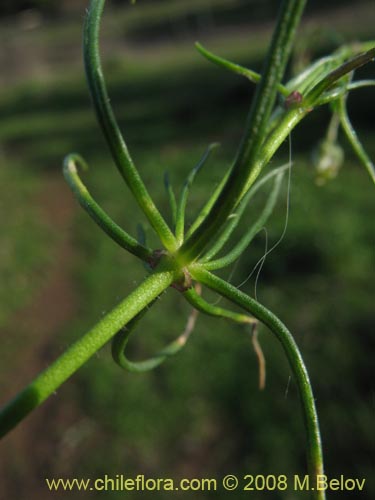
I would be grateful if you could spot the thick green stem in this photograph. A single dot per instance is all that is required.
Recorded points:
(73, 358)
(110, 128)
(243, 169)
(314, 447)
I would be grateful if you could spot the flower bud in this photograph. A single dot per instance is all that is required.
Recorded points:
(327, 158)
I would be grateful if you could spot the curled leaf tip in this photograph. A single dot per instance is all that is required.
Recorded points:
(72, 160)
(328, 159)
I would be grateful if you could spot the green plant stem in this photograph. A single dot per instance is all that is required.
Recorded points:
(110, 127)
(243, 169)
(337, 92)
(315, 455)
(279, 133)
(81, 351)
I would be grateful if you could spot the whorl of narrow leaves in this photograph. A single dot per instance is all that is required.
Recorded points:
(186, 256)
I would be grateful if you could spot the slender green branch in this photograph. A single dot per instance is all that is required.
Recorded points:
(81, 351)
(360, 84)
(97, 213)
(288, 121)
(110, 127)
(336, 92)
(353, 138)
(315, 456)
(244, 172)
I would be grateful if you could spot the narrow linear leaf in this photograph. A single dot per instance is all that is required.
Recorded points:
(236, 217)
(121, 339)
(171, 198)
(205, 307)
(96, 212)
(208, 205)
(141, 234)
(236, 68)
(319, 69)
(250, 234)
(335, 75)
(181, 207)
(110, 128)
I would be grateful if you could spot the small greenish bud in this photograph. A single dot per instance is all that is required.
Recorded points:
(327, 159)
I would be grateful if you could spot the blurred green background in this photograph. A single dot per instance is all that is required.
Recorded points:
(200, 414)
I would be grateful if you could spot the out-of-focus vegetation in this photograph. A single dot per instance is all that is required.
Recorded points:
(161, 7)
(21, 225)
(201, 414)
